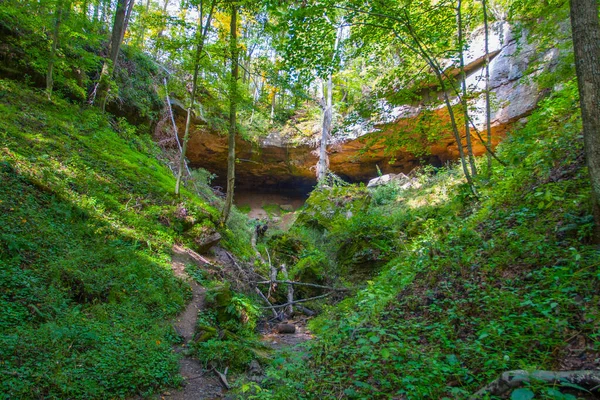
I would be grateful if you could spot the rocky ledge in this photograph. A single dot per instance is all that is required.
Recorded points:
(277, 164)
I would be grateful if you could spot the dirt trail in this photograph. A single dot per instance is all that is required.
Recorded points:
(199, 384)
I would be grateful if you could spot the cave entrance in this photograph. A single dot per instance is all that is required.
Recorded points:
(275, 205)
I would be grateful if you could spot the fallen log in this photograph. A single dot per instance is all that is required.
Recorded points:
(286, 328)
(507, 381)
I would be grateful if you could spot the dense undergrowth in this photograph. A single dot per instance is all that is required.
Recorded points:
(87, 222)
(469, 287)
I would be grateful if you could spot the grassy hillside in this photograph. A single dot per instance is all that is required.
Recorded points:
(87, 221)
(467, 288)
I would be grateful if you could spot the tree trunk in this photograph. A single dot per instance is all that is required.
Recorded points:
(55, 37)
(510, 380)
(186, 136)
(421, 50)
(323, 164)
(232, 116)
(463, 78)
(118, 32)
(143, 16)
(586, 42)
(488, 110)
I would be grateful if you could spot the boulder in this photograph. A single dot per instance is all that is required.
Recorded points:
(287, 207)
(205, 242)
(401, 180)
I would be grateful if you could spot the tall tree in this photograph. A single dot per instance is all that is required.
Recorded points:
(201, 33)
(327, 105)
(488, 110)
(118, 32)
(463, 80)
(58, 18)
(586, 42)
(233, 83)
(423, 28)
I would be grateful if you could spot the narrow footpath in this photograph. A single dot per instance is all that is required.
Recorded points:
(199, 384)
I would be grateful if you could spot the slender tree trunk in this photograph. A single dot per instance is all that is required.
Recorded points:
(162, 30)
(421, 50)
(186, 136)
(586, 42)
(55, 38)
(232, 116)
(488, 109)
(323, 164)
(127, 19)
(118, 32)
(143, 17)
(273, 102)
(84, 9)
(463, 79)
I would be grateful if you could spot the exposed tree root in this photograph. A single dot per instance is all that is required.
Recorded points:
(588, 380)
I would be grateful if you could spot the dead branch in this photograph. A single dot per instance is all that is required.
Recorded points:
(299, 301)
(305, 284)
(289, 310)
(266, 300)
(589, 380)
(223, 378)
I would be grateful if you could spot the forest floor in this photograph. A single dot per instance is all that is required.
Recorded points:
(200, 383)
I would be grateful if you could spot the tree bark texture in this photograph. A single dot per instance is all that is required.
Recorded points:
(586, 42)
(232, 116)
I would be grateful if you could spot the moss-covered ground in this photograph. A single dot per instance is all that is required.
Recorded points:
(87, 222)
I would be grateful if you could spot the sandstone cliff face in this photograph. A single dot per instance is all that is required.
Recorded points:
(276, 164)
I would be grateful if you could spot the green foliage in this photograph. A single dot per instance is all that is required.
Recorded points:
(86, 228)
(471, 288)
(326, 203)
(225, 335)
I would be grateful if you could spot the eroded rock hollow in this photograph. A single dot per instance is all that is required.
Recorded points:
(277, 164)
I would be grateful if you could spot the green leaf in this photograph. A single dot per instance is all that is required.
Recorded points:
(385, 354)
(522, 394)
(374, 339)
(574, 386)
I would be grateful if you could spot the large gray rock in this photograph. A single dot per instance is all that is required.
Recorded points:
(401, 180)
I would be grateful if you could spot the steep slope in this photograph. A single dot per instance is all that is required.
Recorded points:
(87, 222)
